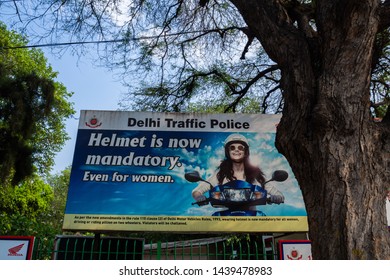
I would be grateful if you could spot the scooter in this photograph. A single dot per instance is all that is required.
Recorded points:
(240, 198)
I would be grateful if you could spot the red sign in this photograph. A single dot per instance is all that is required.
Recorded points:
(16, 247)
(295, 250)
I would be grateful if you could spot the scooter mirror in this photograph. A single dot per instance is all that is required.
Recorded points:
(193, 176)
(279, 176)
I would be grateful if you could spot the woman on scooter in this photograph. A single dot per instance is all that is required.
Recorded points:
(237, 166)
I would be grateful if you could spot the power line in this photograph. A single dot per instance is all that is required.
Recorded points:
(62, 44)
(106, 41)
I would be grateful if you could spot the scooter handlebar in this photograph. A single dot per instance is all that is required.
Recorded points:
(270, 200)
(201, 203)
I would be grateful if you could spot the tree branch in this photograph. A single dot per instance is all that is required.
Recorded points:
(244, 91)
(251, 37)
(220, 31)
(277, 29)
(203, 3)
(384, 16)
(17, 10)
(386, 118)
(264, 104)
(301, 13)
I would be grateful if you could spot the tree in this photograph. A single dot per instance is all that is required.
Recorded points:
(338, 154)
(22, 208)
(59, 184)
(33, 107)
(35, 208)
(327, 70)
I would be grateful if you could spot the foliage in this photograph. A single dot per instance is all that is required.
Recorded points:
(33, 107)
(171, 54)
(59, 184)
(380, 81)
(23, 207)
(35, 208)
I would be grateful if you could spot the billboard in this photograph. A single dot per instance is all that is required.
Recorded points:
(145, 171)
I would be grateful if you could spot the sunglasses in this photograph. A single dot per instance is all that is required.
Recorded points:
(236, 147)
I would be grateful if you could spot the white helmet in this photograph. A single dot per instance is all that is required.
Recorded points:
(236, 138)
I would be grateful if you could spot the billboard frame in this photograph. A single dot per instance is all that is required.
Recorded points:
(137, 154)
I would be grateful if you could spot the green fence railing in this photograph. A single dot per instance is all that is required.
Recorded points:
(116, 248)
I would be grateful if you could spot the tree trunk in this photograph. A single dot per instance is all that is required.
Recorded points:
(340, 157)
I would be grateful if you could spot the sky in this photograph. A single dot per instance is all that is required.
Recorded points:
(94, 88)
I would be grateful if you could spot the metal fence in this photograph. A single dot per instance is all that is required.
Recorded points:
(116, 248)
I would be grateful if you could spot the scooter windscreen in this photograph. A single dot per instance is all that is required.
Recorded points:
(237, 194)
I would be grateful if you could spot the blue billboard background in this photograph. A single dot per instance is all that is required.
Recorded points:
(91, 193)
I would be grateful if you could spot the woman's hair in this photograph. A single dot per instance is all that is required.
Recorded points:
(252, 173)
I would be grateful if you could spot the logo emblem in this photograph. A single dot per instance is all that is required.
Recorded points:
(93, 122)
(294, 255)
(14, 251)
